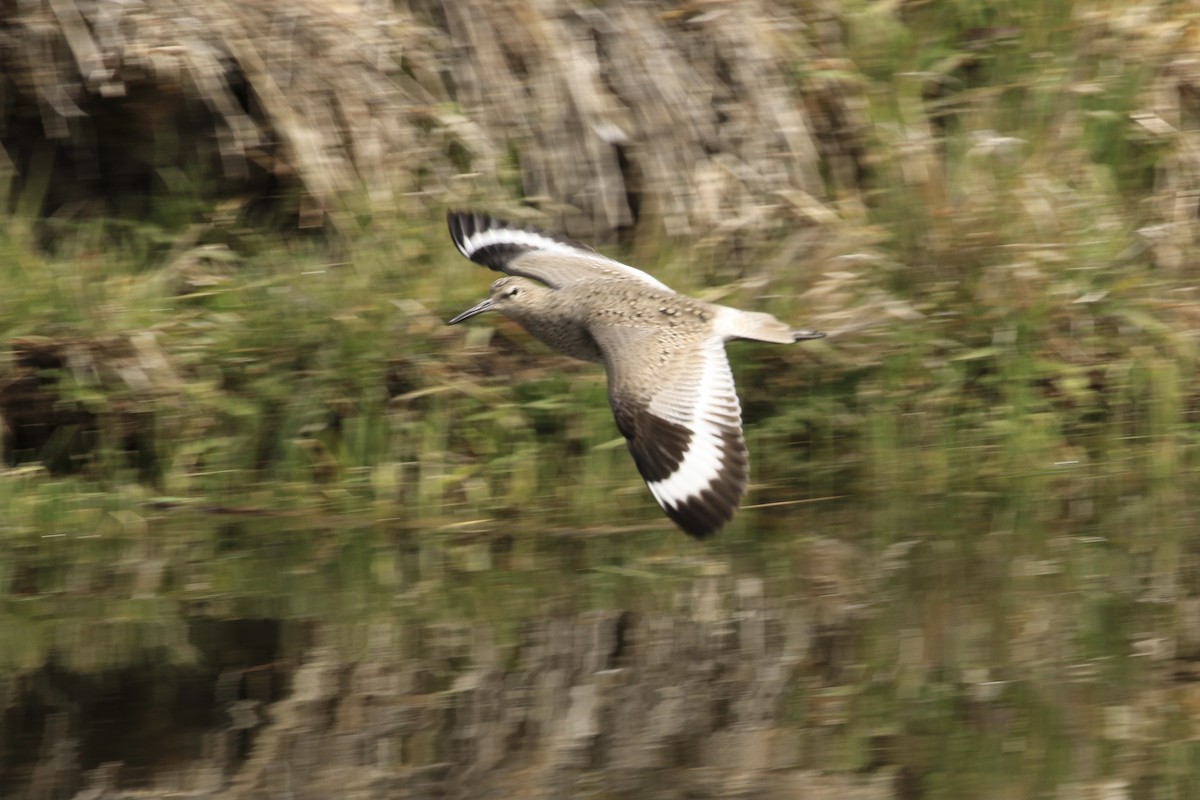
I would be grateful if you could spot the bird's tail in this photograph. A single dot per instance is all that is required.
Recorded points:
(734, 323)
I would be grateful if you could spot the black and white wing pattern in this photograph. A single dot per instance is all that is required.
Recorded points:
(531, 253)
(682, 421)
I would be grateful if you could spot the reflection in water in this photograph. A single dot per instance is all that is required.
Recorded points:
(1021, 639)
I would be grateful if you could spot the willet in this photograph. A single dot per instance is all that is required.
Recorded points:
(669, 382)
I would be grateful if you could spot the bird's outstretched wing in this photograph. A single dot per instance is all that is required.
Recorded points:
(531, 253)
(678, 410)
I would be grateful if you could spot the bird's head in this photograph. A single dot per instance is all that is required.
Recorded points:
(510, 296)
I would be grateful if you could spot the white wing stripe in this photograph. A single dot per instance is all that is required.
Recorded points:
(532, 239)
(715, 407)
(474, 243)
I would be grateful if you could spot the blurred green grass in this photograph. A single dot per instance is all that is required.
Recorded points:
(1001, 318)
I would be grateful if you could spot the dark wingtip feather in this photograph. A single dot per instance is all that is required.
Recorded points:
(658, 447)
(463, 225)
(702, 515)
(466, 224)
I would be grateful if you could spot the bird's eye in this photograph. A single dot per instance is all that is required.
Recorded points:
(513, 291)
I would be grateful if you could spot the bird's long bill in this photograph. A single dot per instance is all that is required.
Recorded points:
(486, 305)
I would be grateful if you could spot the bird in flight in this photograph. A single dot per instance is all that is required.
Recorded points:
(669, 382)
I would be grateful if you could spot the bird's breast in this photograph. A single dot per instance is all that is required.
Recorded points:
(565, 335)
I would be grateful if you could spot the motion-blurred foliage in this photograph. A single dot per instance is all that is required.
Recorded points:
(998, 236)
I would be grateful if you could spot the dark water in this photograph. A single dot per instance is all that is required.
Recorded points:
(1033, 636)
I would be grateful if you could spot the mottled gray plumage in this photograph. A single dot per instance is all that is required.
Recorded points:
(669, 382)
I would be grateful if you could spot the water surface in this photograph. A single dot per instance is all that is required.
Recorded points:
(1025, 635)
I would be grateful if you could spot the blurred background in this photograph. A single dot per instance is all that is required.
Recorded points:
(268, 527)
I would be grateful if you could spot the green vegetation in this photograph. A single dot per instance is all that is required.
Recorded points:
(995, 306)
